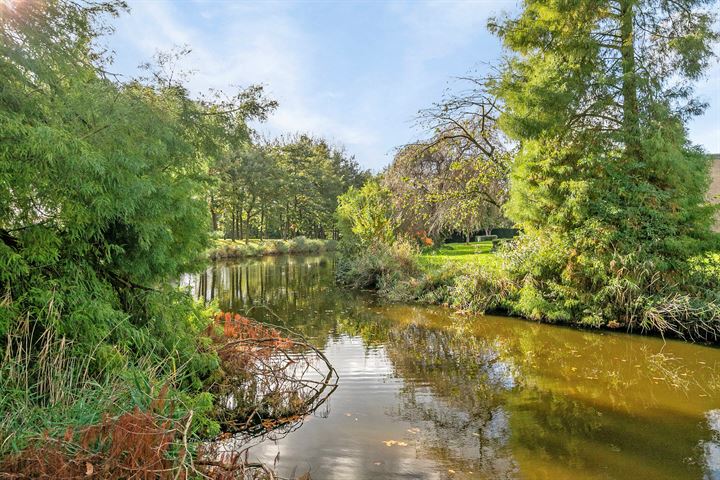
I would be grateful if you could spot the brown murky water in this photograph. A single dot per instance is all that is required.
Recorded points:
(426, 394)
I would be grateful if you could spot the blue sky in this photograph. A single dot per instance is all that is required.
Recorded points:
(354, 72)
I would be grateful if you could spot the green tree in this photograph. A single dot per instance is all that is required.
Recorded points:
(101, 197)
(314, 175)
(607, 187)
(365, 215)
(457, 179)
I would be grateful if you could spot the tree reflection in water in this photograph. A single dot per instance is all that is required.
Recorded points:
(498, 397)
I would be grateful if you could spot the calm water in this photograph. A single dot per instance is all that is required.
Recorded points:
(425, 394)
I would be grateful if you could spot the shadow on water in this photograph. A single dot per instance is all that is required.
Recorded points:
(425, 394)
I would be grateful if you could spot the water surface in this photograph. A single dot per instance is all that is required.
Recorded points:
(427, 394)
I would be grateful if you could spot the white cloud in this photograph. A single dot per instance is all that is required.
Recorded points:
(246, 45)
(358, 82)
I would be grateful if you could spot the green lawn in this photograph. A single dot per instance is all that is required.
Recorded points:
(455, 253)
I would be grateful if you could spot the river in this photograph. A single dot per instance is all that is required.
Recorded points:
(424, 393)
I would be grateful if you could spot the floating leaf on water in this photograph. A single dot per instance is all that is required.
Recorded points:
(390, 443)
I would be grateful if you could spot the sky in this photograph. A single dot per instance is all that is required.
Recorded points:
(353, 72)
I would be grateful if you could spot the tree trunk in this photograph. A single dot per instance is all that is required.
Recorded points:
(240, 220)
(213, 213)
(262, 223)
(631, 121)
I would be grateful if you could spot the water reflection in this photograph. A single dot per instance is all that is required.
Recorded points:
(424, 395)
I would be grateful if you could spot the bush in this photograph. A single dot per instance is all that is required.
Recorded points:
(477, 288)
(275, 247)
(379, 267)
(314, 246)
(255, 248)
(297, 244)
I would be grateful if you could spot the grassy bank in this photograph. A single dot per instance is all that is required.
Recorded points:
(472, 278)
(450, 254)
(256, 248)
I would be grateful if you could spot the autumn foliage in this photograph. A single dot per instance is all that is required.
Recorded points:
(236, 327)
(423, 238)
(142, 444)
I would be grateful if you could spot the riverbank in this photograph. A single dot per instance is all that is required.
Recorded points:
(147, 425)
(223, 248)
(471, 278)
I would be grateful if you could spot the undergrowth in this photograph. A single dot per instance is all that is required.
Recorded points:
(61, 421)
(516, 282)
(257, 248)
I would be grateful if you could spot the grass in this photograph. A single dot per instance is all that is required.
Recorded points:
(457, 253)
(255, 248)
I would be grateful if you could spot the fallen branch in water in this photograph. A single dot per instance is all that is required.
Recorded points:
(272, 379)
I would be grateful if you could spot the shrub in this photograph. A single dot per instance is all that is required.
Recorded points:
(477, 288)
(274, 247)
(380, 266)
(314, 246)
(297, 244)
(254, 248)
(365, 215)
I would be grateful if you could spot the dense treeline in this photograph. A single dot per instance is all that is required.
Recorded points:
(283, 188)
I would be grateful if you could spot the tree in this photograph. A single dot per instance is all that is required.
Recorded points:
(365, 215)
(606, 184)
(314, 175)
(448, 181)
(101, 198)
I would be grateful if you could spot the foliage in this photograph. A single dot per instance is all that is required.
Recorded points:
(102, 207)
(284, 188)
(365, 216)
(139, 443)
(606, 186)
(101, 196)
(378, 266)
(456, 180)
(256, 248)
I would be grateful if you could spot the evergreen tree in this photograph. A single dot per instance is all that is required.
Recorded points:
(607, 187)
